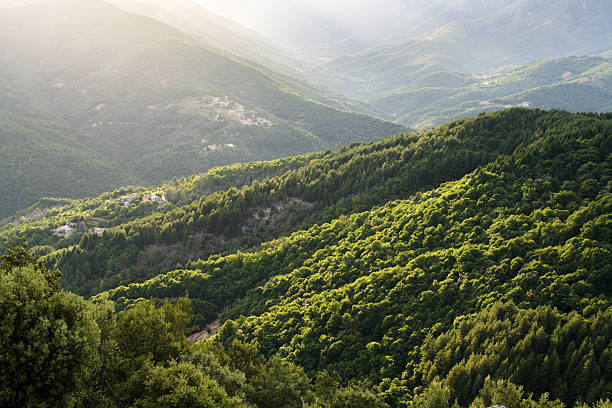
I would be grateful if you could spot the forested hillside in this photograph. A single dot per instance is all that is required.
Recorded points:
(63, 164)
(142, 102)
(422, 92)
(318, 190)
(501, 273)
(84, 354)
(79, 353)
(424, 263)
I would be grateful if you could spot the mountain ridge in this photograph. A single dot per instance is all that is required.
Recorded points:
(428, 264)
(159, 104)
(366, 294)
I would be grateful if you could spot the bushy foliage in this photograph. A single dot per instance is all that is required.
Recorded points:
(48, 338)
(489, 275)
(57, 350)
(470, 266)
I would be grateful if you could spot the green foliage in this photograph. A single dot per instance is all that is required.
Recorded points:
(58, 350)
(48, 338)
(435, 396)
(493, 393)
(488, 275)
(157, 333)
(355, 397)
(538, 348)
(499, 393)
(182, 385)
(279, 385)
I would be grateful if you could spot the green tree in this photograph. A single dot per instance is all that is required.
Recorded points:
(356, 397)
(17, 255)
(499, 393)
(435, 396)
(49, 339)
(159, 333)
(182, 385)
(280, 385)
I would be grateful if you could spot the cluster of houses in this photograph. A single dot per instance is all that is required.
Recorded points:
(258, 122)
(525, 104)
(102, 124)
(212, 148)
(216, 101)
(67, 230)
(71, 229)
(127, 200)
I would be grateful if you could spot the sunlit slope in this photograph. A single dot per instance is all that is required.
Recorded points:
(501, 272)
(320, 189)
(153, 100)
(155, 238)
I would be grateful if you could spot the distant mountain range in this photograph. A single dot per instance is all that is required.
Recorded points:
(572, 83)
(426, 62)
(515, 54)
(476, 35)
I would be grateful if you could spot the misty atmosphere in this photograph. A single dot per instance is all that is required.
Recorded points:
(306, 203)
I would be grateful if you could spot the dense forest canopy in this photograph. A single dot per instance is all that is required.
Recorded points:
(346, 204)
(467, 264)
(83, 354)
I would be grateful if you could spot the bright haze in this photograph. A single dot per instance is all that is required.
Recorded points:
(304, 24)
(313, 23)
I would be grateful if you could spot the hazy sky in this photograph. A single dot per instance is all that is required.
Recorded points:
(273, 17)
(248, 11)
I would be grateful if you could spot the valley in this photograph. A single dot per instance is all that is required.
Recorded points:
(305, 204)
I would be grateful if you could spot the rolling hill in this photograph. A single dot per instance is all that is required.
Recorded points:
(572, 83)
(149, 101)
(428, 264)
(498, 273)
(251, 48)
